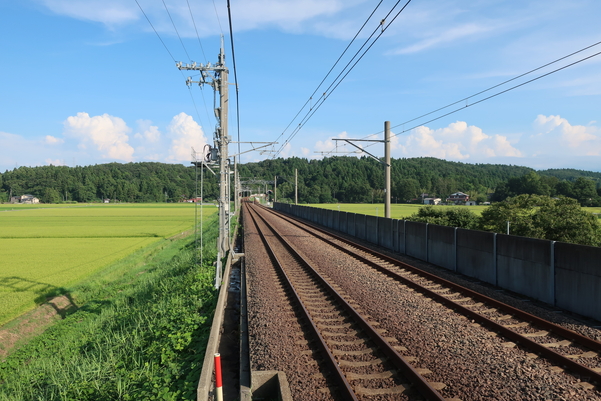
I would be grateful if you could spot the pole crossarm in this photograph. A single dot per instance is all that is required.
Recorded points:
(363, 150)
(254, 148)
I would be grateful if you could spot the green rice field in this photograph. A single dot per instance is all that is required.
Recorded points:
(397, 211)
(45, 248)
(400, 211)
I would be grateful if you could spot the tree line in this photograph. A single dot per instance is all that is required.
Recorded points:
(334, 179)
(129, 182)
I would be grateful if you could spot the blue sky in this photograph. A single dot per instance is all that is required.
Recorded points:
(88, 81)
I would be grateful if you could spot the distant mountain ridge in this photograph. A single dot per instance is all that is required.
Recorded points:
(342, 179)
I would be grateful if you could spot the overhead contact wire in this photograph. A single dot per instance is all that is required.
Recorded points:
(338, 81)
(229, 17)
(176, 31)
(331, 69)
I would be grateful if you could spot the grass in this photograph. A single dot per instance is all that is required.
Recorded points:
(401, 211)
(397, 211)
(43, 250)
(139, 334)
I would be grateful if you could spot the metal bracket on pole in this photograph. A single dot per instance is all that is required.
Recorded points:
(386, 161)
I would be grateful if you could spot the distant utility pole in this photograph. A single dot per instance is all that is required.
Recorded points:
(387, 168)
(216, 76)
(386, 162)
(296, 186)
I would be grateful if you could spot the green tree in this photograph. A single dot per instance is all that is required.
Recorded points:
(50, 195)
(564, 220)
(537, 216)
(585, 191)
(452, 217)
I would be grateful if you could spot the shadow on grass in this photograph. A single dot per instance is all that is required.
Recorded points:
(58, 298)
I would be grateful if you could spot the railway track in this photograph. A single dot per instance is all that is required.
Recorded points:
(497, 316)
(566, 350)
(362, 361)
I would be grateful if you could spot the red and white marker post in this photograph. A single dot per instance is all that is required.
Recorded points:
(218, 381)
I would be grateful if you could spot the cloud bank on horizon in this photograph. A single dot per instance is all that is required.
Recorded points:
(107, 138)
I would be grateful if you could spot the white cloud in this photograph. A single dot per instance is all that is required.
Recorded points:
(558, 136)
(287, 15)
(286, 151)
(16, 151)
(108, 12)
(106, 133)
(148, 132)
(56, 162)
(329, 145)
(51, 140)
(457, 141)
(185, 134)
(447, 36)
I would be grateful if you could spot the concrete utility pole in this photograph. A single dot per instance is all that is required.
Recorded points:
(387, 168)
(236, 186)
(296, 186)
(386, 161)
(275, 189)
(216, 76)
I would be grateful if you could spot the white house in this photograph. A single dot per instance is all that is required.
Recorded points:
(24, 199)
(432, 201)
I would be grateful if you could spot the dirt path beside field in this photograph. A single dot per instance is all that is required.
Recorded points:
(33, 323)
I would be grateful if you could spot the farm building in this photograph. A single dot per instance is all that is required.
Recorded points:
(24, 199)
(458, 198)
(432, 201)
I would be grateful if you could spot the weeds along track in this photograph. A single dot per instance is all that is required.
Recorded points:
(468, 346)
(356, 358)
(563, 350)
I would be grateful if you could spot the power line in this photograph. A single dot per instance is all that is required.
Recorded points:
(494, 86)
(229, 17)
(498, 93)
(204, 57)
(329, 72)
(176, 31)
(173, 58)
(218, 20)
(338, 81)
(155, 31)
(197, 35)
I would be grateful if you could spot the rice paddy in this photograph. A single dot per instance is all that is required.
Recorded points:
(45, 249)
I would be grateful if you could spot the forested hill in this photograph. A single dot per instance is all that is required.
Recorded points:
(569, 174)
(351, 179)
(345, 179)
(130, 182)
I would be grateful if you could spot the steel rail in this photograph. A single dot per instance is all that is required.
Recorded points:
(561, 360)
(347, 391)
(397, 359)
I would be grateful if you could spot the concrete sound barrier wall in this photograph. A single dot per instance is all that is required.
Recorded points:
(360, 225)
(371, 229)
(563, 275)
(578, 278)
(525, 266)
(416, 240)
(350, 223)
(342, 222)
(476, 255)
(441, 246)
(386, 232)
